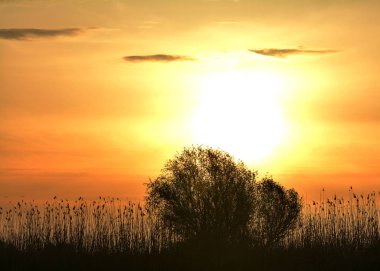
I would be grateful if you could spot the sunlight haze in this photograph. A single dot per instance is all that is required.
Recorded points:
(95, 96)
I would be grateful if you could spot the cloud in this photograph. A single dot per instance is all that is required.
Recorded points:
(31, 33)
(158, 58)
(276, 52)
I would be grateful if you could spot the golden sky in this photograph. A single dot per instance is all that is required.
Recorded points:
(96, 95)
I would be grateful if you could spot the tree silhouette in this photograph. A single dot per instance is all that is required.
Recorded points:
(203, 194)
(276, 212)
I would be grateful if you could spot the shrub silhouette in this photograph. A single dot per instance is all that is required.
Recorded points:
(203, 194)
(276, 212)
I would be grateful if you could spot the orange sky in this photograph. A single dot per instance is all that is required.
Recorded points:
(96, 95)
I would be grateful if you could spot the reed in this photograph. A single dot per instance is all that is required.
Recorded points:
(338, 223)
(107, 224)
(113, 225)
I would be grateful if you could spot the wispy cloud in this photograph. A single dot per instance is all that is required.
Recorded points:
(32, 33)
(284, 52)
(158, 58)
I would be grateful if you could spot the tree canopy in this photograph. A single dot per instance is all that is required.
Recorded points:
(276, 212)
(204, 194)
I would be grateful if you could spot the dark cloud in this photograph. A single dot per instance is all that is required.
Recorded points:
(276, 52)
(31, 33)
(158, 58)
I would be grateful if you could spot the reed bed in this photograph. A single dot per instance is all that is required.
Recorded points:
(114, 225)
(338, 223)
(107, 224)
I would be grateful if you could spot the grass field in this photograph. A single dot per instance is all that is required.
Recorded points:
(332, 234)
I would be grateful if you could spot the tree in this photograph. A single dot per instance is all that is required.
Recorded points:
(203, 194)
(276, 212)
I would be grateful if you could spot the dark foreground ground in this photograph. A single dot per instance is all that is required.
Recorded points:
(65, 258)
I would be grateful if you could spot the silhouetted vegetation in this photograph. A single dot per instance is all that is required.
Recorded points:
(204, 194)
(205, 211)
(277, 211)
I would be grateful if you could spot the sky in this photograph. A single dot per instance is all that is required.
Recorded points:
(95, 96)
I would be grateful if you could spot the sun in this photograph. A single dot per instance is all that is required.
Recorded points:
(240, 113)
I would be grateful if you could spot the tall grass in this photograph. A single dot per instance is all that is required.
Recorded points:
(338, 223)
(107, 224)
(113, 225)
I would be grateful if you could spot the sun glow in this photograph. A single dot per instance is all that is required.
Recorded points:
(240, 112)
